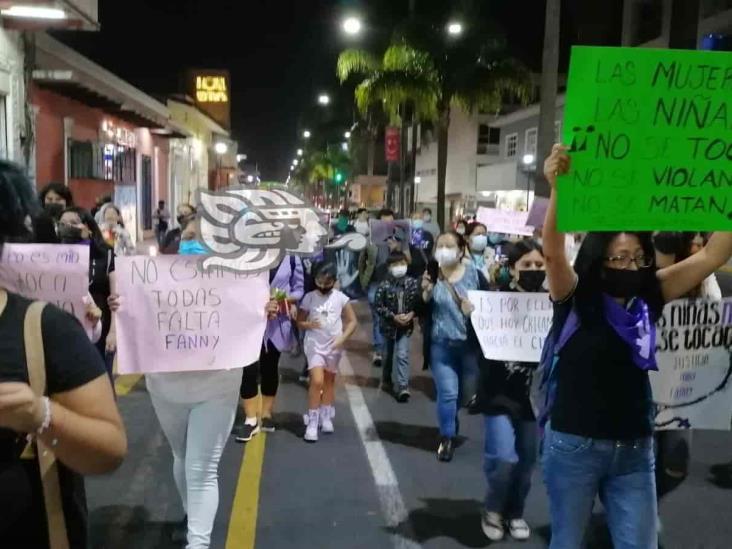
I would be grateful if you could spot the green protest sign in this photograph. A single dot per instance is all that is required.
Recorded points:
(650, 135)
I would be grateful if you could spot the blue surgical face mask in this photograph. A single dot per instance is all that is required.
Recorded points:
(495, 238)
(191, 247)
(417, 223)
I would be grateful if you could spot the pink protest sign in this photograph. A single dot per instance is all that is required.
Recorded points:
(505, 221)
(54, 273)
(176, 318)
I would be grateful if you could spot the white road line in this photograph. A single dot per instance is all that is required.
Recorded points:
(387, 485)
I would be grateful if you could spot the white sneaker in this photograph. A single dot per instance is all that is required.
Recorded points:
(492, 524)
(311, 433)
(326, 419)
(519, 529)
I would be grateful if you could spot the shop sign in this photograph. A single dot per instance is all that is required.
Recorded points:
(212, 89)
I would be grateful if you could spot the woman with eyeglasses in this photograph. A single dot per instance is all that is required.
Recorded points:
(598, 441)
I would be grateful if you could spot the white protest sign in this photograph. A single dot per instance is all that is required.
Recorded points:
(504, 221)
(511, 326)
(694, 354)
(176, 318)
(54, 273)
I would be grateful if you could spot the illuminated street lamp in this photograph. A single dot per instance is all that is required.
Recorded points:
(306, 134)
(528, 159)
(455, 28)
(221, 148)
(299, 152)
(250, 179)
(324, 99)
(352, 26)
(347, 135)
(295, 162)
(344, 146)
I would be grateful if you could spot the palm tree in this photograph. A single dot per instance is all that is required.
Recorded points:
(432, 77)
(318, 172)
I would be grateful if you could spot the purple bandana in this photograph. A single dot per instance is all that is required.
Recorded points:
(634, 326)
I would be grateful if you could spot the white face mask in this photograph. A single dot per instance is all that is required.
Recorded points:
(446, 257)
(478, 242)
(399, 271)
(427, 218)
(460, 230)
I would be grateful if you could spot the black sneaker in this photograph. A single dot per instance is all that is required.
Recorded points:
(268, 425)
(403, 395)
(247, 432)
(445, 450)
(180, 531)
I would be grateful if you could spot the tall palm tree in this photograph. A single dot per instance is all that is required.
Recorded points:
(432, 77)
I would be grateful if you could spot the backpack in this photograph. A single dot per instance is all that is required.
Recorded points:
(543, 389)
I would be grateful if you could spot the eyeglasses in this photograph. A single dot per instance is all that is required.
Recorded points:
(624, 261)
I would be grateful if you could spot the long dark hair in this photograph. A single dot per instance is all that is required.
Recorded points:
(589, 267)
(17, 204)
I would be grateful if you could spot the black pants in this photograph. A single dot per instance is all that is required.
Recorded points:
(266, 372)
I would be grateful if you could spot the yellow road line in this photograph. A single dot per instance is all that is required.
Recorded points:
(243, 521)
(124, 384)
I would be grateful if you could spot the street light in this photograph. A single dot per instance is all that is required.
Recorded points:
(455, 28)
(352, 26)
(299, 152)
(295, 162)
(347, 135)
(344, 146)
(250, 179)
(324, 99)
(221, 148)
(306, 134)
(528, 159)
(417, 179)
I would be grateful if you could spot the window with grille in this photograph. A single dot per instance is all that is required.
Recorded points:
(95, 160)
(511, 145)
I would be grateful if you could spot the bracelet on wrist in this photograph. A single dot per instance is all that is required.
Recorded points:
(46, 423)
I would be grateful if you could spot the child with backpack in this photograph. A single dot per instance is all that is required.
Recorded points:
(328, 320)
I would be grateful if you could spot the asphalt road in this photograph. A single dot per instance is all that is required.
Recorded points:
(374, 483)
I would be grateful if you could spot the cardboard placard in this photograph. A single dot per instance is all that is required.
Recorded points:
(650, 136)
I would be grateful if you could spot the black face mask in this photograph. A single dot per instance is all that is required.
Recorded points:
(532, 281)
(622, 283)
(69, 234)
(54, 210)
(325, 290)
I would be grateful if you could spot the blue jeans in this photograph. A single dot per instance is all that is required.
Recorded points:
(397, 350)
(454, 369)
(510, 455)
(576, 469)
(378, 338)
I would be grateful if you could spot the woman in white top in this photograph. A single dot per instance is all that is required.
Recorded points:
(114, 231)
(196, 411)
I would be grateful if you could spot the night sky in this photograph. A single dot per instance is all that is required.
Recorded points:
(281, 53)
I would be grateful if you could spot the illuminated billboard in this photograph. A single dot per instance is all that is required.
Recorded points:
(211, 90)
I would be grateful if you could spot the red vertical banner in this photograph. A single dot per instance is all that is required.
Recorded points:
(391, 144)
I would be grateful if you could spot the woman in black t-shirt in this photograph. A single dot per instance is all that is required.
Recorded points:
(599, 439)
(77, 226)
(511, 435)
(79, 420)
